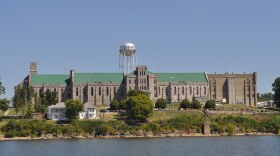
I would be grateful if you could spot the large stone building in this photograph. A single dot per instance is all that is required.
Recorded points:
(102, 88)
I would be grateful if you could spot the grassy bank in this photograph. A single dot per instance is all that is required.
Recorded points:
(183, 123)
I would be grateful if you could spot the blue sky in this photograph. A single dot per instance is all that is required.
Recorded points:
(171, 36)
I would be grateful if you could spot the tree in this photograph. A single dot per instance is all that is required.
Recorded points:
(114, 105)
(136, 92)
(185, 104)
(29, 101)
(210, 104)
(50, 98)
(276, 89)
(16, 99)
(38, 106)
(123, 104)
(23, 99)
(139, 106)
(72, 108)
(265, 96)
(196, 104)
(4, 104)
(2, 89)
(161, 103)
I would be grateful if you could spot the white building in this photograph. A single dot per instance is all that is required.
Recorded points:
(57, 112)
(88, 113)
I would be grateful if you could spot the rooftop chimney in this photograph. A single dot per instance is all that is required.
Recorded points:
(33, 68)
(72, 75)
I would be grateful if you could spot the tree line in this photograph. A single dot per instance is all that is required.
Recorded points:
(27, 101)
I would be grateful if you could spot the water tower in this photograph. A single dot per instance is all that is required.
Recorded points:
(127, 57)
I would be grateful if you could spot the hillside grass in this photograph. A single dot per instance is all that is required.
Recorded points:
(165, 115)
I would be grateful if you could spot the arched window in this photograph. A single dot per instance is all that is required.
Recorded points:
(99, 91)
(190, 90)
(197, 92)
(175, 90)
(77, 91)
(107, 91)
(91, 91)
(155, 91)
(41, 92)
(115, 91)
(183, 90)
(158, 90)
(166, 91)
(129, 81)
(62, 93)
(205, 90)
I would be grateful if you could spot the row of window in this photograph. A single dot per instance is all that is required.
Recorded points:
(183, 90)
(143, 87)
(142, 72)
(61, 92)
(144, 80)
(99, 91)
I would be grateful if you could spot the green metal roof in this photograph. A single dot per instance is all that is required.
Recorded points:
(98, 77)
(49, 78)
(111, 77)
(174, 77)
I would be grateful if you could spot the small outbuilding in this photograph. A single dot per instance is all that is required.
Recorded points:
(57, 112)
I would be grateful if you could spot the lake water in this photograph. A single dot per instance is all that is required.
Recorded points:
(210, 146)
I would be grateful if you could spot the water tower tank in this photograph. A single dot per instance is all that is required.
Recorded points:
(127, 57)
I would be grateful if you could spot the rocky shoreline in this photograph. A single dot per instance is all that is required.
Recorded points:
(148, 135)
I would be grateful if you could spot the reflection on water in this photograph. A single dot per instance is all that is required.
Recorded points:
(210, 146)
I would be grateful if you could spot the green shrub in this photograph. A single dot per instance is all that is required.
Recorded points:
(89, 126)
(210, 104)
(230, 128)
(152, 127)
(123, 104)
(185, 104)
(216, 128)
(114, 105)
(186, 123)
(161, 103)
(68, 130)
(104, 130)
(10, 134)
(196, 104)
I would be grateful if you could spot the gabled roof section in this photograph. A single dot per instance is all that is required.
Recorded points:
(49, 78)
(175, 77)
(58, 105)
(98, 77)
